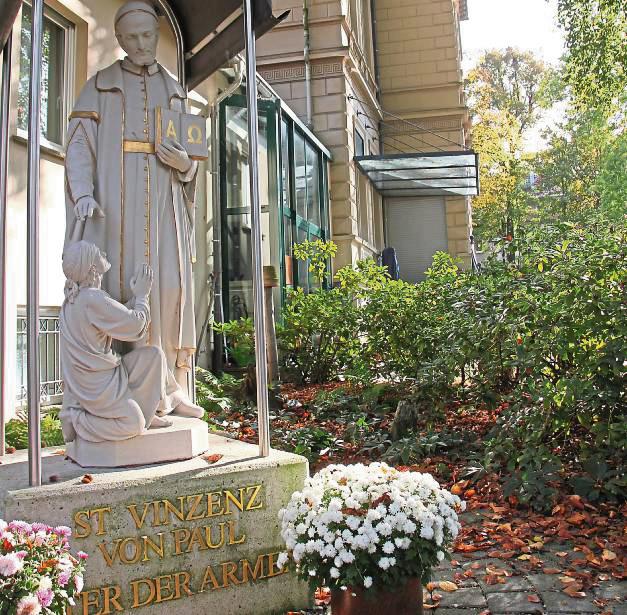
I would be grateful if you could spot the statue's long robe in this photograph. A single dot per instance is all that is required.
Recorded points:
(148, 207)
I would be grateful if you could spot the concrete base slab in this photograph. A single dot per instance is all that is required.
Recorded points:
(186, 438)
(189, 537)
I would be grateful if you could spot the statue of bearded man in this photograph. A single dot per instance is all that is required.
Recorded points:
(135, 200)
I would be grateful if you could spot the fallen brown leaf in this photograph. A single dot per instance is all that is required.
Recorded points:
(551, 570)
(447, 586)
(573, 593)
(212, 458)
(533, 598)
(608, 555)
(88, 478)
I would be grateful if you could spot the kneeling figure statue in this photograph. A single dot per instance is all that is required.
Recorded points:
(107, 397)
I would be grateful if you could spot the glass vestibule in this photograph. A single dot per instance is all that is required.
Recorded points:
(293, 193)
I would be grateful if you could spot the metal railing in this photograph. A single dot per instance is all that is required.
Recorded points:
(50, 380)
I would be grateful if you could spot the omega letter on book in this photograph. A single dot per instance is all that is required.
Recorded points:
(189, 130)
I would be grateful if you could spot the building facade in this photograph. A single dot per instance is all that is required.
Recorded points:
(378, 77)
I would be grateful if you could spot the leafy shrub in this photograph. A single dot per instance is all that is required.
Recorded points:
(240, 340)
(51, 435)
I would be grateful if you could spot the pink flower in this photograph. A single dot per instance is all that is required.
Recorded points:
(63, 530)
(10, 564)
(82, 555)
(28, 605)
(45, 597)
(64, 578)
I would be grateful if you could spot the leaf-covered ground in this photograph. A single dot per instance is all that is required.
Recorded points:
(508, 558)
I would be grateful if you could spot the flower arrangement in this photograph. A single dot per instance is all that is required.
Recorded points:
(38, 574)
(368, 526)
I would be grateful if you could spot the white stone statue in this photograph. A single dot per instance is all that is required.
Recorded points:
(107, 397)
(133, 200)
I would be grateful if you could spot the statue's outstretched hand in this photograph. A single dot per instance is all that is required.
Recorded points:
(86, 208)
(173, 154)
(141, 282)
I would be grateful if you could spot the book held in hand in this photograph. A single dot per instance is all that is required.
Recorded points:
(189, 130)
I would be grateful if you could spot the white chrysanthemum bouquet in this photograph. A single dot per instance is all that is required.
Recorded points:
(368, 526)
(38, 574)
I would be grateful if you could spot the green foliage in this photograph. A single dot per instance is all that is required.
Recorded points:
(319, 336)
(600, 481)
(532, 478)
(240, 340)
(509, 80)
(311, 442)
(216, 395)
(506, 91)
(318, 253)
(51, 435)
(596, 63)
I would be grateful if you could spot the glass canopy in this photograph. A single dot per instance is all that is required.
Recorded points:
(423, 174)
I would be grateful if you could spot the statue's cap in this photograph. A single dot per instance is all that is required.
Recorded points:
(135, 6)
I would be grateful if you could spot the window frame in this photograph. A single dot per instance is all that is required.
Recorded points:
(69, 76)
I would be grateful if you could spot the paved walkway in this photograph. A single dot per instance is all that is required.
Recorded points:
(489, 586)
(475, 596)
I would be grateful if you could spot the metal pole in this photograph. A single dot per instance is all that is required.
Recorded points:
(263, 419)
(5, 94)
(178, 37)
(32, 247)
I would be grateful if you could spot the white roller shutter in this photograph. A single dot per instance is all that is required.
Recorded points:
(416, 228)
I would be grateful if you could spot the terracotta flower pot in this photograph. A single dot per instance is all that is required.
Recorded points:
(404, 600)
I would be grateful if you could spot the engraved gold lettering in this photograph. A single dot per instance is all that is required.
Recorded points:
(182, 585)
(81, 519)
(156, 514)
(256, 573)
(99, 513)
(255, 492)
(195, 502)
(196, 539)
(139, 521)
(272, 565)
(228, 574)
(136, 550)
(170, 131)
(159, 549)
(87, 600)
(179, 513)
(210, 577)
(111, 600)
(231, 499)
(232, 539)
(160, 586)
(136, 585)
(110, 557)
(211, 503)
(180, 536)
(208, 533)
(194, 134)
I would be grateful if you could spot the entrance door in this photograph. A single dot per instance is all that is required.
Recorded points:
(416, 228)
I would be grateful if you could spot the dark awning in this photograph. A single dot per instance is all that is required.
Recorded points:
(213, 32)
(8, 12)
(423, 174)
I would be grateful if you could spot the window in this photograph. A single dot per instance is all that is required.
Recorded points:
(56, 81)
(360, 146)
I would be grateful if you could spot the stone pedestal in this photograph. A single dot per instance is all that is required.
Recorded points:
(184, 537)
(186, 438)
